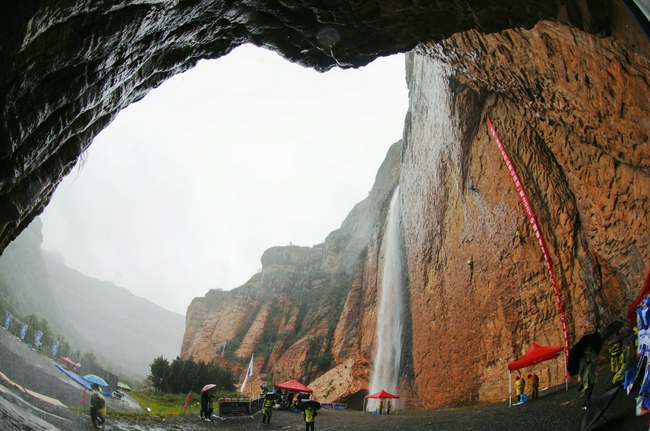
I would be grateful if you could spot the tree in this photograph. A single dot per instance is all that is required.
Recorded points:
(160, 369)
(182, 376)
(90, 357)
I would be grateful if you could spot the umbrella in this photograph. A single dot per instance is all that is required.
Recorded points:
(208, 387)
(595, 341)
(315, 405)
(598, 407)
(95, 379)
(621, 336)
(611, 329)
(272, 396)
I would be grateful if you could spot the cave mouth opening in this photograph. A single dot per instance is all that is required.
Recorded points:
(220, 163)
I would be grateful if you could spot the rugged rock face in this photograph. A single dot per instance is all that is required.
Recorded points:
(67, 69)
(294, 314)
(574, 121)
(566, 85)
(574, 118)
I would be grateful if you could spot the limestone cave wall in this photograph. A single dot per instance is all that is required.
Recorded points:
(69, 67)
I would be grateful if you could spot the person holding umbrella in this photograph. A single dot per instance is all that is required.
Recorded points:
(587, 374)
(203, 414)
(309, 413)
(205, 401)
(310, 418)
(97, 406)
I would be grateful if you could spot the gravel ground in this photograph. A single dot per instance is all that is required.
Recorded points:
(556, 409)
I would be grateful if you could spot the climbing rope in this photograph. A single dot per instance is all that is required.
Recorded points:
(523, 197)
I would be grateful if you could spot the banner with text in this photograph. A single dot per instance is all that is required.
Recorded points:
(234, 409)
(523, 197)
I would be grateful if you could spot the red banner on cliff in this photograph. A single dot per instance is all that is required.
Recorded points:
(523, 197)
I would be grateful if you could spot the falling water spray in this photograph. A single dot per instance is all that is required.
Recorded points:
(386, 364)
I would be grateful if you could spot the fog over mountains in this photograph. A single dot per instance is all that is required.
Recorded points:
(122, 330)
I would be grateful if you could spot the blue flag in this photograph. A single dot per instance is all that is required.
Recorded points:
(37, 341)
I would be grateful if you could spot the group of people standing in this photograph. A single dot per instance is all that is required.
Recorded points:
(622, 364)
(520, 387)
(380, 407)
(309, 414)
(207, 405)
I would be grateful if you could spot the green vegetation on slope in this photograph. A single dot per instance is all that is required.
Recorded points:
(183, 376)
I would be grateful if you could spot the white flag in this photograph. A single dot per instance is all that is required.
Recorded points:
(249, 373)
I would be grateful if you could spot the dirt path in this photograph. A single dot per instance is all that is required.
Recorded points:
(556, 410)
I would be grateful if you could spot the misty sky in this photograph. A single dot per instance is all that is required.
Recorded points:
(184, 191)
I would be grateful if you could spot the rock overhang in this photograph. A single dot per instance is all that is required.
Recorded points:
(69, 68)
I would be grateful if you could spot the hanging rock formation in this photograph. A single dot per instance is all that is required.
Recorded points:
(566, 84)
(68, 69)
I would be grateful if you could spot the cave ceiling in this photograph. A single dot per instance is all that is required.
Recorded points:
(69, 66)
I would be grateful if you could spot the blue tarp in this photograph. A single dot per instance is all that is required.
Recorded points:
(77, 378)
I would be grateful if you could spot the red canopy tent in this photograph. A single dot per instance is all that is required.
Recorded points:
(293, 385)
(382, 395)
(535, 355)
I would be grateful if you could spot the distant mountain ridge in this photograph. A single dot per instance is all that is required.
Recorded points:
(118, 327)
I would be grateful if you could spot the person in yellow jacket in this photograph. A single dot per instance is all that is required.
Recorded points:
(629, 361)
(267, 411)
(616, 359)
(310, 418)
(533, 379)
(520, 386)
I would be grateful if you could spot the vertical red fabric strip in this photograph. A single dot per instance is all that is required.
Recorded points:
(523, 197)
(631, 309)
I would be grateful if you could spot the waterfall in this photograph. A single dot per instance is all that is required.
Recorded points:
(386, 364)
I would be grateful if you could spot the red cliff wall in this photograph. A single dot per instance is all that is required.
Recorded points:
(572, 111)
